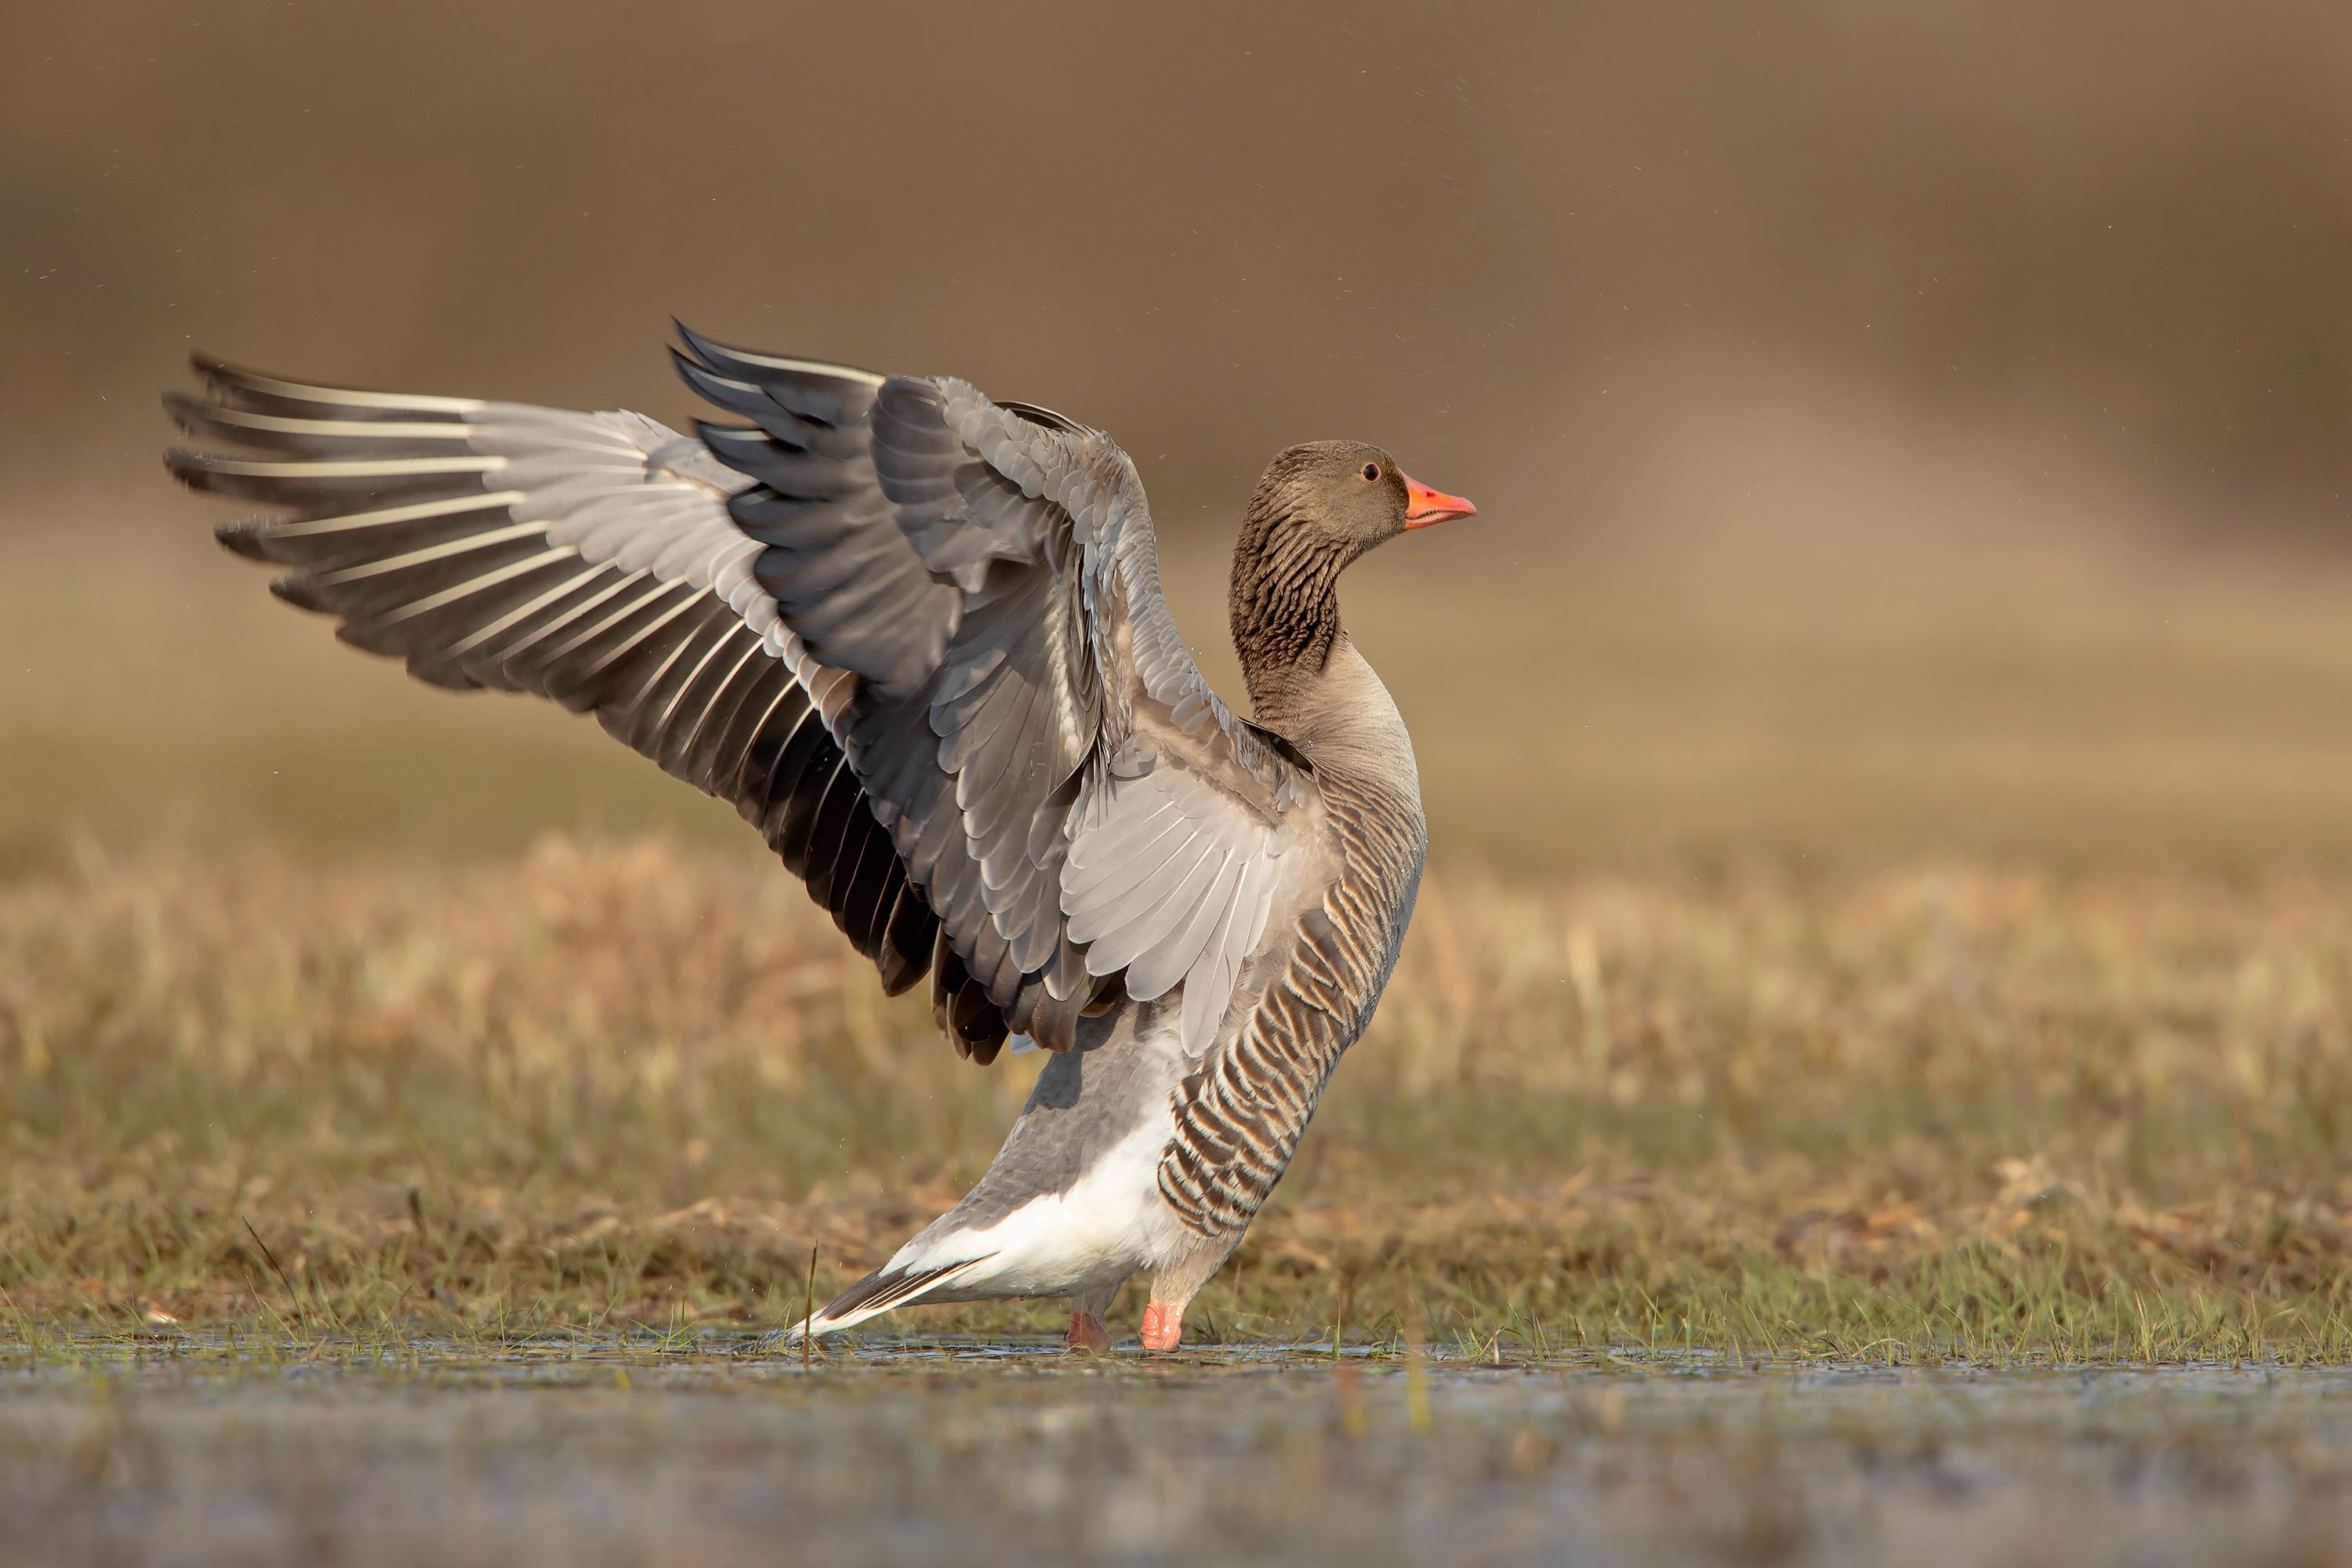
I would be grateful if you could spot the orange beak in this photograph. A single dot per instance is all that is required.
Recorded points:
(1426, 506)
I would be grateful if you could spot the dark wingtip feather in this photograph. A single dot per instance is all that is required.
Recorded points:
(183, 409)
(714, 356)
(229, 380)
(733, 445)
(735, 396)
(300, 590)
(908, 940)
(976, 1025)
(1050, 1024)
(190, 467)
(900, 973)
(447, 677)
(249, 537)
(214, 371)
(211, 367)
(750, 364)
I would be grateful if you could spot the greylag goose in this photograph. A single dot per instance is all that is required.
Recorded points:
(918, 638)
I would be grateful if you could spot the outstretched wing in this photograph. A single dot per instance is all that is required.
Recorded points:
(916, 637)
(584, 557)
(1083, 812)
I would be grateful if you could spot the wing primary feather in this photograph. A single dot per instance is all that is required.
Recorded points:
(592, 558)
(584, 584)
(228, 377)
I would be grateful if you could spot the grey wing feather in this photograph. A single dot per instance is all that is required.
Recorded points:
(586, 557)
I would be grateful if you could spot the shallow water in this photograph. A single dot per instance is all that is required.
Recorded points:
(624, 1452)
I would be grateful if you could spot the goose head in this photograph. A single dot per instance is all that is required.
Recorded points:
(1343, 498)
(1318, 507)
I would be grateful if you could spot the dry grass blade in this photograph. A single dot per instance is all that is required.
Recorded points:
(293, 1296)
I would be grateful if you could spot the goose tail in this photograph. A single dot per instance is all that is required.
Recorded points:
(886, 1289)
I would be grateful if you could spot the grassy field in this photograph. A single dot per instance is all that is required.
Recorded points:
(1940, 1112)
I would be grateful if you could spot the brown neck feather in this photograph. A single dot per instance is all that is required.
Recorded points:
(1283, 603)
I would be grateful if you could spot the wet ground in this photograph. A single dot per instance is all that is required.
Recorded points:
(686, 1452)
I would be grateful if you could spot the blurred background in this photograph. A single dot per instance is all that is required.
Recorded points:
(1899, 430)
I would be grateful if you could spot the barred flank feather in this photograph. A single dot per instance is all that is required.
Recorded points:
(1240, 1117)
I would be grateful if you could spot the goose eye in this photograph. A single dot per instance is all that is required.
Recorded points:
(1372, 472)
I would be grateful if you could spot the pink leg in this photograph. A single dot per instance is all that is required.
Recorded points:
(1086, 1333)
(1163, 1326)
